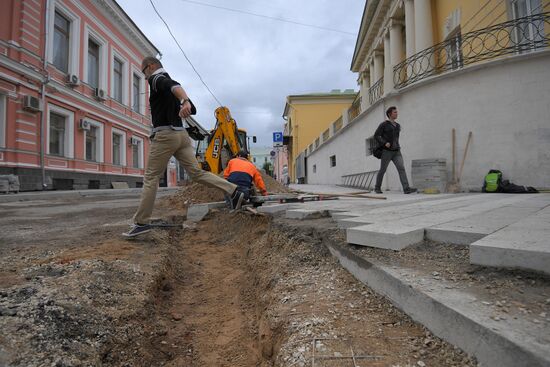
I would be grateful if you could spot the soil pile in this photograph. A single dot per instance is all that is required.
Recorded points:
(195, 193)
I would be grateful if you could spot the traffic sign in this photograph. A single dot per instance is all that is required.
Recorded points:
(278, 139)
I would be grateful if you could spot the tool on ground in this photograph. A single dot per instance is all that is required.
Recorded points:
(455, 186)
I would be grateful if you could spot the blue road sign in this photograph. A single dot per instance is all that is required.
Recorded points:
(277, 139)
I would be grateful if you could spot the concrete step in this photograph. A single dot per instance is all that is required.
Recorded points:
(396, 231)
(524, 244)
(467, 230)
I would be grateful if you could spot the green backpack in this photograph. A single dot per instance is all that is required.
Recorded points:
(493, 181)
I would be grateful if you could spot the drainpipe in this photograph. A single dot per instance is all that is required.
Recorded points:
(43, 116)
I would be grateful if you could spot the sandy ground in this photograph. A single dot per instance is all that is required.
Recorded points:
(234, 290)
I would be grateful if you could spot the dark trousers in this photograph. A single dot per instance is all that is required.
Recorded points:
(397, 159)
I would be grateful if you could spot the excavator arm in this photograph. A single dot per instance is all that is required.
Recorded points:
(224, 134)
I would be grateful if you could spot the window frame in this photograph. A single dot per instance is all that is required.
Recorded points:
(3, 119)
(90, 34)
(136, 72)
(122, 152)
(69, 130)
(124, 83)
(74, 37)
(99, 144)
(140, 153)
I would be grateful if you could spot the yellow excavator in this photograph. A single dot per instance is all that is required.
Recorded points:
(222, 143)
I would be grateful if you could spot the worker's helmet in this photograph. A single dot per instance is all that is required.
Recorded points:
(242, 154)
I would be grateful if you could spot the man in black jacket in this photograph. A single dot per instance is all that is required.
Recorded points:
(387, 136)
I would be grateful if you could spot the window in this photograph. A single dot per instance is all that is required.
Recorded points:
(61, 42)
(136, 83)
(2, 121)
(528, 34)
(314, 168)
(117, 80)
(57, 134)
(93, 64)
(454, 50)
(333, 161)
(117, 149)
(371, 145)
(91, 144)
(137, 153)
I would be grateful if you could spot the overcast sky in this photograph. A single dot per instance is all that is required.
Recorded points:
(251, 63)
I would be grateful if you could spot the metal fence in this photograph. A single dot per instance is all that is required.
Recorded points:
(376, 91)
(516, 36)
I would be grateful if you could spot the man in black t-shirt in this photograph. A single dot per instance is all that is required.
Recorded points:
(169, 104)
(387, 135)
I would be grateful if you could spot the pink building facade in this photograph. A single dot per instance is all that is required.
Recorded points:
(74, 108)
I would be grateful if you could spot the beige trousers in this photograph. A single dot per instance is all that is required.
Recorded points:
(168, 143)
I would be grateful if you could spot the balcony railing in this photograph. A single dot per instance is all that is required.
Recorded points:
(337, 125)
(355, 108)
(376, 91)
(516, 36)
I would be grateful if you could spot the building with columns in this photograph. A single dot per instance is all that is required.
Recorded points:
(471, 66)
(74, 108)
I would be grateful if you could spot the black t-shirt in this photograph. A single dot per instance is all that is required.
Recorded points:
(165, 106)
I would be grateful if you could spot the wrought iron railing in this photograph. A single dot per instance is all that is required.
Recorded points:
(326, 135)
(355, 108)
(515, 36)
(376, 91)
(337, 125)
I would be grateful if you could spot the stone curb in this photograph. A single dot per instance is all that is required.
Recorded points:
(475, 337)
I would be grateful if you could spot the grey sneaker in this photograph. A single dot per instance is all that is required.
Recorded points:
(236, 200)
(410, 190)
(137, 229)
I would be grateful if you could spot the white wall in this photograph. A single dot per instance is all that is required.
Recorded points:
(506, 105)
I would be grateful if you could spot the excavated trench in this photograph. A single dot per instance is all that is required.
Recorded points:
(243, 290)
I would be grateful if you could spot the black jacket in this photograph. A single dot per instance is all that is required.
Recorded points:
(388, 133)
(165, 107)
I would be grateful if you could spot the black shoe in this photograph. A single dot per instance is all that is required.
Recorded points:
(410, 190)
(237, 199)
(137, 229)
(378, 191)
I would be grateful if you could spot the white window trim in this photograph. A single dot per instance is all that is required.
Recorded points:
(89, 33)
(74, 40)
(123, 141)
(125, 83)
(69, 129)
(3, 119)
(138, 72)
(99, 158)
(140, 153)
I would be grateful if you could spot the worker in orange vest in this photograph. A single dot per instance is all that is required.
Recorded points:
(243, 173)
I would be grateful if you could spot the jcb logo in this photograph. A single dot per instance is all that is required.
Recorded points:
(216, 151)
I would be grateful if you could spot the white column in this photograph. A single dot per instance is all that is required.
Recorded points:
(423, 30)
(409, 27)
(396, 42)
(388, 70)
(365, 84)
(372, 74)
(378, 65)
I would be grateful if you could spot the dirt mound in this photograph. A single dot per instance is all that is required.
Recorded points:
(195, 193)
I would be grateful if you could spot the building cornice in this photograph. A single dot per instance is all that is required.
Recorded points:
(118, 17)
